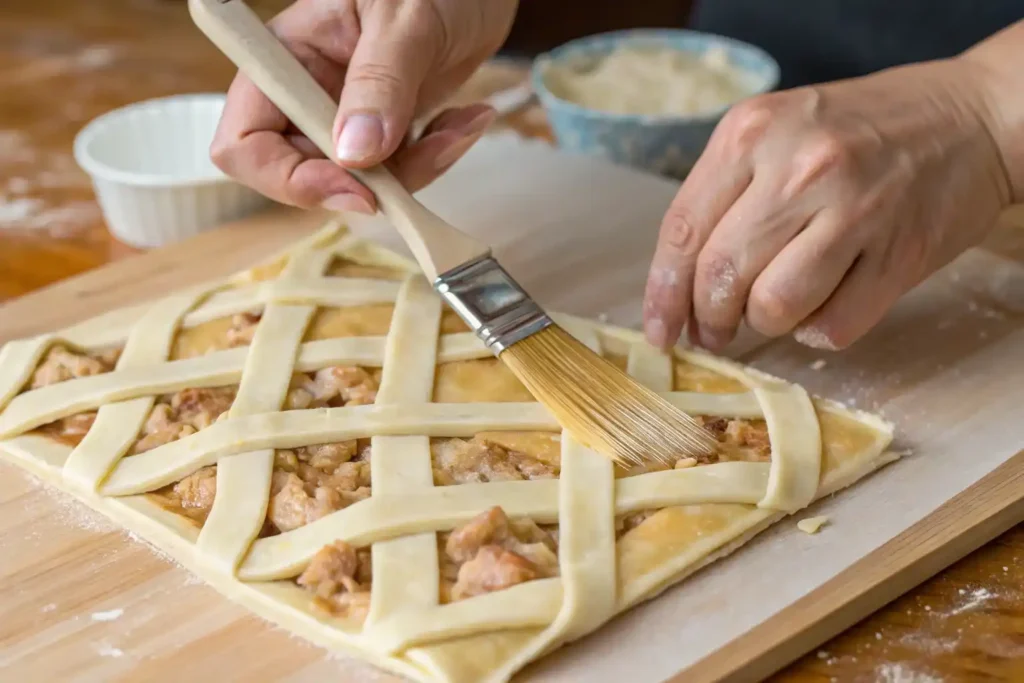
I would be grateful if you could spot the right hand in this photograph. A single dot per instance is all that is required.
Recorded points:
(387, 62)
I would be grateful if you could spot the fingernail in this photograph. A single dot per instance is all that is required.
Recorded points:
(479, 123)
(472, 131)
(454, 152)
(347, 201)
(657, 335)
(362, 136)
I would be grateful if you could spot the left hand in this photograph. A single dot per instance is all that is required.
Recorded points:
(813, 210)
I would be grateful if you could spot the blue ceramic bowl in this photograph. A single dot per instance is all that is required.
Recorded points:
(668, 145)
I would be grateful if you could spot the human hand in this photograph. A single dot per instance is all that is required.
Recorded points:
(386, 62)
(813, 210)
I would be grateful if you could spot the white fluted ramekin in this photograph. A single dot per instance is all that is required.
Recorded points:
(151, 170)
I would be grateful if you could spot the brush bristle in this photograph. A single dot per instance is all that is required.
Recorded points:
(602, 407)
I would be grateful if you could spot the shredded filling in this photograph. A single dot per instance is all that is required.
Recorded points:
(175, 416)
(308, 482)
(314, 481)
(740, 440)
(339, 577)
(489, 553)
(243, 329)
(461, 461)
(492, 552)
(333, 387)
(745, 440)
(192, 496)
(61, 364)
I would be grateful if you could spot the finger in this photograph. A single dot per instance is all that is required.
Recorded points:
(749, 235)
(446, 139)
(803, 275)
(711, 187)
(722, 172)
(378, 101)
(858, 303)
(250, 146)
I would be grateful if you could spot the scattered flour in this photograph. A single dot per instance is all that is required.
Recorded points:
(107, 650)
(109, 615)
(724, 284)
(18, 210)
(975, 598)
(95, 57)
(898, 673)
(48, 608)
(28, 213)
(931, 646)
(156, 551)
(28, 170)
(818, 364)
(192, 580)
(72, 513)
(814, 338)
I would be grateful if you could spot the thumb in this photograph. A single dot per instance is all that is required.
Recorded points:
(378, 99)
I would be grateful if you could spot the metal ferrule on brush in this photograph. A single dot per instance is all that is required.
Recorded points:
(493, 305)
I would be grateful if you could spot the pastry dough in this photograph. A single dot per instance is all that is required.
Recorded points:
(311, 319)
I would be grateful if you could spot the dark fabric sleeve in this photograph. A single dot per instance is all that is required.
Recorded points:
(824, 40)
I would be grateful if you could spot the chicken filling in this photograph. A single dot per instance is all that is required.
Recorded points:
(739, 440)
(175, 416)
(339, 577)
(314, 481)
(477, 460)
(489, 553)
(492, 552)
(61, 364)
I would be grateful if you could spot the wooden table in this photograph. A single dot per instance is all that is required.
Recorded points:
(61, 64)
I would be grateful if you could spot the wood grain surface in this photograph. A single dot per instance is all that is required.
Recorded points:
(62, 64)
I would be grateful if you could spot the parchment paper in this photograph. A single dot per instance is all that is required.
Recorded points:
(946, 366)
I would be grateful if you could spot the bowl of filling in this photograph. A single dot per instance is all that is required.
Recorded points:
(647, 98)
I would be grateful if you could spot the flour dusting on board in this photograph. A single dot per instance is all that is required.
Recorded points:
(108, 615)
(29, 172)
(153, 549)
(928, 644)
(899, 673)
(16, 210)
(94, 57)
(108, 650)
(973, 600)
(28, 213)
(72, 513)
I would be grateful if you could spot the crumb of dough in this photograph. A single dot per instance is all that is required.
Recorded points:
(810, 525)
(818, 364)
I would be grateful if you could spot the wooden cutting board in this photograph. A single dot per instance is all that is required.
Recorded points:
(80, 600)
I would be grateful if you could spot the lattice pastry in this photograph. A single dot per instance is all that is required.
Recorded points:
(319, 440)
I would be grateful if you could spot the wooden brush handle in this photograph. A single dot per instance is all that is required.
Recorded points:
(240, 34)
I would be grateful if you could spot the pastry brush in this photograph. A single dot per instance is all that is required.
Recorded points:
(601, 406)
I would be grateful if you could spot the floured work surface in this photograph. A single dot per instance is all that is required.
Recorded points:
(132, 614)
